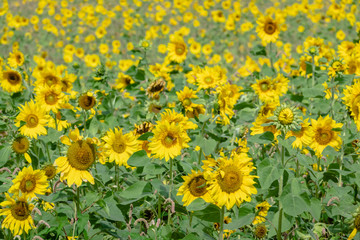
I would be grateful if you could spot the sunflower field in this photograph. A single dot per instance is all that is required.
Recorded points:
(183, 119)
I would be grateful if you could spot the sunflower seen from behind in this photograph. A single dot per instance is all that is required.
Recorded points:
(231, 183)
(119, 147)
(80, 156)
(30, 182)
(11, 81)
(193, 187)
(168, 140)
(35, 119)
(326, 133)
(17, 211)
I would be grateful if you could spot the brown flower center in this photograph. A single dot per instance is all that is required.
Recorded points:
(197, 186)
(51, 98)
(13, 77)
(179, 49)
(119, 145)
(323, 136)
(81, 155)
(20, 210)
(270, 27)
(32, 120)
(28, 184)
(169, 140)
(21, 145)
(232, 180)
(87, 102)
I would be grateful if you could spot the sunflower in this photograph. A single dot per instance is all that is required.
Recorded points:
(177, 49)
(185, 97)
(35, 120)
(87, 101)
(119, 146)
(352, 101)
(304, 136)
(209, 78)
(11, 81)
(50, 98)
(265, 90)
(123, 81)
(18, 214)
(325, 135)
(229, 92)
(232, 183)
(16, 59)
(143, 128)
(155, 88)
(193, 187)
(30, 182)
(286, 118)
(267, 29)
(260, 231)
(171, 116)
(50, 171)
(197, 109)
(168, 140)
(80, 156)
(262, 210)
(49, 78)
(21, 145)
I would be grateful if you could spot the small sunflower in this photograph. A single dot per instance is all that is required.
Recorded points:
(87, 101)
(168, 140)
(185, 97)
(18, 214)
(260, 231)
(286, 118)
(16, 59)
(50, 171)
(172, 116)
(304, 136)
(193, 187)
(324, 135)
(35, 120)
(48, 78)
(119, 146)
(336, 66)
(21, 145)
(122, 81)
(209, 78)
(81, 154)
(268, 29)
(262, 210)
(155, 88)
(177, 49)
(232, 183)
(30, 182)
(11, 81)
(50, 98)
(355, 223)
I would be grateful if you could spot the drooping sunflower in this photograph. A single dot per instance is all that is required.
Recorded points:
(155, 88)
(11, 81)
(352, 101)
(193, 187)
(168, 140)
(143, 128)
(81, 154)
(50, 98)
(30, 182)
(16, 59)
(177, 49)
(119, 147)
(304, 136)
(18, 214)
(324, 135)
(35, 120)
(232, 183)
(262, 210)
(268, 29)
(21, 145)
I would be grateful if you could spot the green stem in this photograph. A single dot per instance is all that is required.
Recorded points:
(116, 175)
(313, 71)
(332, 98)
(84, 122)
(270, 57)
(222, 214)
(170, 188)
(280, 192)
(77, 209)
(200, 153)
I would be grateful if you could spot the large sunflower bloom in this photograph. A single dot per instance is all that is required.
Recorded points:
(18, 214)
(268, 29)
(177, 49)
(11, 81)
(119, 147)
(193, 187)
(173, 117)
(324, 135)
(50, 98)
(30, 182)
(232, 183)
(168, 140)
(16, 59)
(80, 156)
(35, 120)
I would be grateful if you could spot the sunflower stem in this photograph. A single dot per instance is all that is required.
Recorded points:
(313, 70)
(280, 192)
(270, 57)
(84, 122)
(116, 176)
(222, 213)
(170, 188)
(199, 159)
(332, 98)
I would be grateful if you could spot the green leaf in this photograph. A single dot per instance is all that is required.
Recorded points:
(268, 173)
(137, 190)
(145, 136)
(191, 236)
(82, 221)
(138, 159)
(5, 154)
(153, 169)
(315, 208)
(245, 217)
(258, 50)
(265, 138)
(197, 204)
(211, 213)
(294, 205)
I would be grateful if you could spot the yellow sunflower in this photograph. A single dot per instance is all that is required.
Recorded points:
(185, 97)
(267, 29)
(30, 182)
(177, 49)
(11, 81)
(87, 101)
(49, 78)
(209, 78)
(143, 128)
(304, 136)
(265, 90)
(81, 154)
(21, 145)
(324, 135)
(123, 81)
(155, 88)
(168, 140)
(352, 101)
(50, 98)
(16, 59)
(262, 210)
(193, 187)
(171, 116)
(232, 183)
(119, 146)
(35, 120)
(18, 214)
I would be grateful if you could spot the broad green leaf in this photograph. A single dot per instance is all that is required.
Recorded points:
(137, 190)
(138, 159)
(268, 173)
(211, 213)
(5, 154)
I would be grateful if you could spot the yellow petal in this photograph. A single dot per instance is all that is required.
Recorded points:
(352, 235)
(27, 157)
